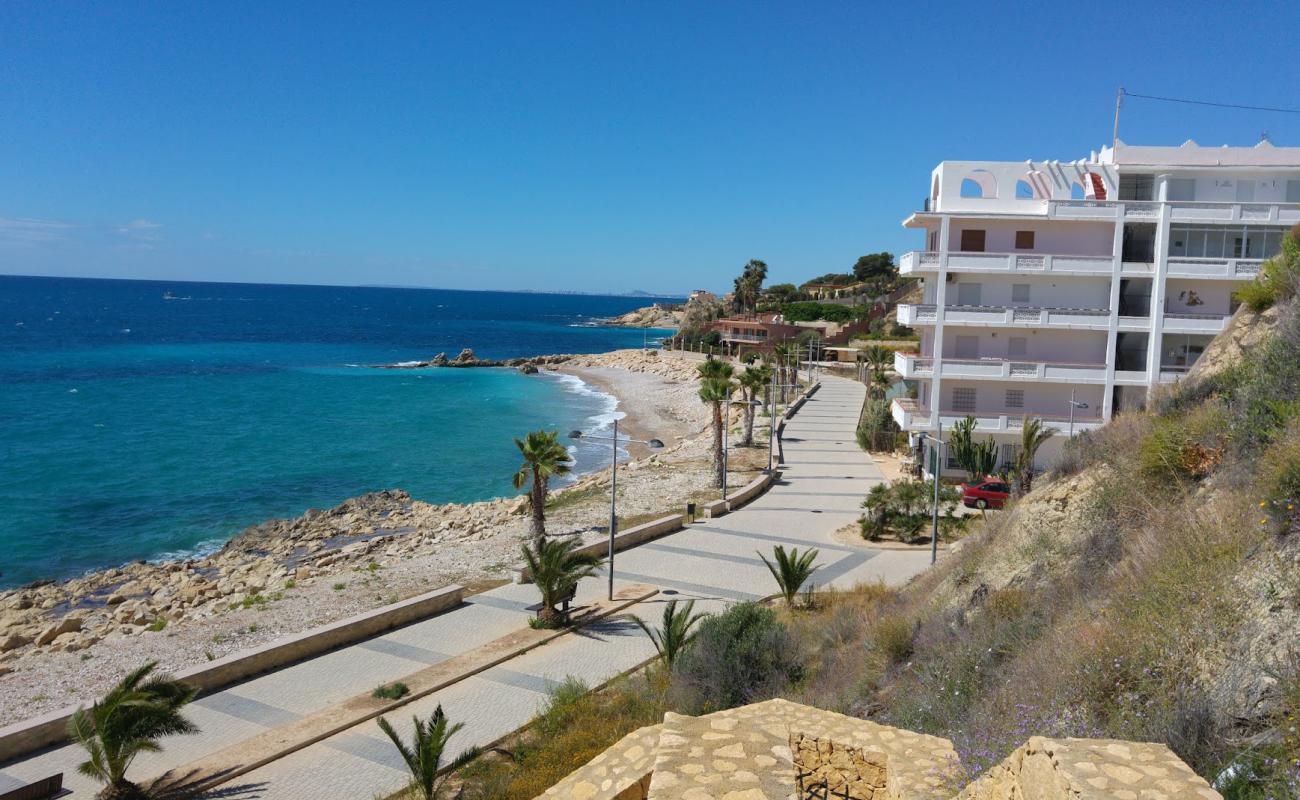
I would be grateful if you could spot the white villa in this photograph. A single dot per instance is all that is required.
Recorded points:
(1095, 280)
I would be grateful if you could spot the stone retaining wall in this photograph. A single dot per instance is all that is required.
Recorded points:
(25, 737)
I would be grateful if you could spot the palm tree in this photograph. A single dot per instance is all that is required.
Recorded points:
(878, 500)
(791, 570)
(1032, 435)
(556, 568)
(752, 381)
(715, 389)
(879, 386)
(781, 352)
(879, 357)
(130, 720)
(544, 456)
(423, 755)
(676, 634)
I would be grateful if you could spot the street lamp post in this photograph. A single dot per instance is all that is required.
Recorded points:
(934, 475)
(1073, 406)
(614, 441)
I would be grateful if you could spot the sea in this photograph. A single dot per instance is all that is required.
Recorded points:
(155, 420)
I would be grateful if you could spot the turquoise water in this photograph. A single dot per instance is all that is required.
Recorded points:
(137, 427)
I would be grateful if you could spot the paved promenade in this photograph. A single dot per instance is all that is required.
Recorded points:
(715, 562)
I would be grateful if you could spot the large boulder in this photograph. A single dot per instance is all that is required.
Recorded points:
(69, 624)
(466, 357)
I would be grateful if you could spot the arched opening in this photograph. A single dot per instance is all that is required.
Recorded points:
(1076, 190)
(1034, 186)
(979, 184)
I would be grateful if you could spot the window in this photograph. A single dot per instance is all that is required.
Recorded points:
(1201, 241)
(968, 347)
(1017, 347)
(1015, 398)
(934, 241)
(963, 399)
(968, 294)
(1293, 191)
(1245, 191)
(1010, 452)
(1136, 187)
(1181, 189)
(972, 241)
(1024, 240)
(1020, 293)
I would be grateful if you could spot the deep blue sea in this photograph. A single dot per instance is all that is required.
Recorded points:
(134, 426)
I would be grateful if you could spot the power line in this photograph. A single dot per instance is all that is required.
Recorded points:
(1126, 93)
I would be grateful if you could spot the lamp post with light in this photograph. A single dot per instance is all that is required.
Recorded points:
(1073, 406)
(614, 442)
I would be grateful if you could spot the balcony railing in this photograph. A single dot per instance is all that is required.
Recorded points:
(1183, 322)
(1010, 316)
(1179, 211)
(911, 415)
(914, 365)
(1033, 263)
(1180, 266)
(743, 337)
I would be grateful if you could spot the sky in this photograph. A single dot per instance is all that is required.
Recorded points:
(591, 146)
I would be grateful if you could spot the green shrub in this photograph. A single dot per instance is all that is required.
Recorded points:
(811, 311)
(391, 691)
(877, 431)
(1257, 296)
(741, 656)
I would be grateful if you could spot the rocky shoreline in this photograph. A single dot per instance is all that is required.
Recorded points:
(62, 643)
(466, 358)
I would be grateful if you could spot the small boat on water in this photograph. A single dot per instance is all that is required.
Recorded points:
(171, 296)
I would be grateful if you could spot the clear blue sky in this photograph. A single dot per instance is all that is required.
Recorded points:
(563, 145)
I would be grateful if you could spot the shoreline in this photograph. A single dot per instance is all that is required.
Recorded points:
(63, 642)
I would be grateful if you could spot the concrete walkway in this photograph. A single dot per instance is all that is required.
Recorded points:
(715, 562)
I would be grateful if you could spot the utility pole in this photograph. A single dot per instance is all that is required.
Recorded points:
(1119, 101)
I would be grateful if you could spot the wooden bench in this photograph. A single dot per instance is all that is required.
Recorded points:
(562, 602)
(37, 790)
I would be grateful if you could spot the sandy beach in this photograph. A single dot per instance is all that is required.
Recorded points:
(63, 644)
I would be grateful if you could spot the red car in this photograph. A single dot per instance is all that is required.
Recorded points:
(988, 493)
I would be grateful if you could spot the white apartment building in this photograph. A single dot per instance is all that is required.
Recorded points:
(1096, 279)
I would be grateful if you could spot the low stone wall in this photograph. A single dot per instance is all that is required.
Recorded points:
(751, 490)
(623, 540)
(25, 737)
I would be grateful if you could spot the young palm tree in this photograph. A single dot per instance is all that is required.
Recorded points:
(1032, 436)
(423, 755)
(879, 499)
(781, 353)
(879, 386)
(791, 570)
(556, 569)
(753, 382)
(715, 389)
(879, 357)
(130, 720)
(676, 634)
(544, 456)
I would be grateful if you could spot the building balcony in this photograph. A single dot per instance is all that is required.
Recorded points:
(913, 365)
(1006, 316)
(917, 262)
(1230, 268)
(1179, 211)
(912, 416)
(1195, 323)
(749, 338)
